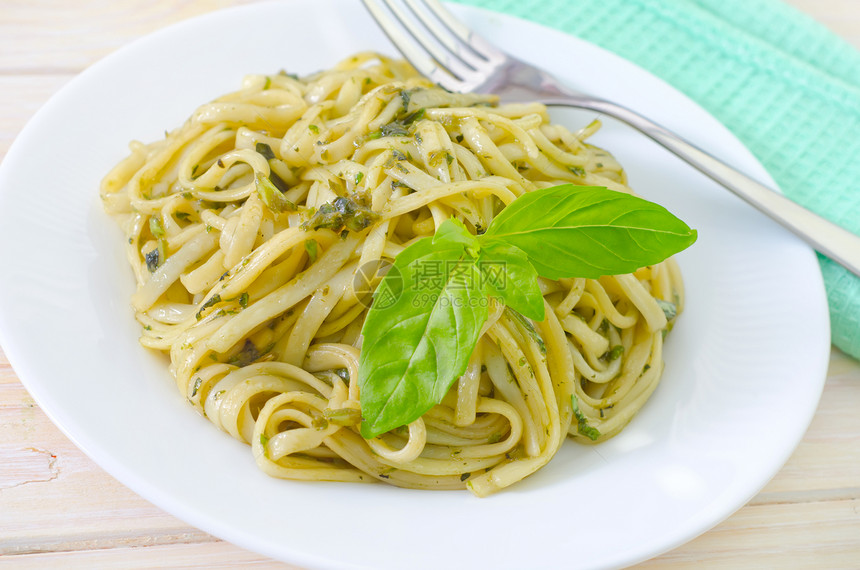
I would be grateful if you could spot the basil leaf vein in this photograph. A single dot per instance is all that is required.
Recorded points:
(587, 231)
(429, 309)
(416, 348)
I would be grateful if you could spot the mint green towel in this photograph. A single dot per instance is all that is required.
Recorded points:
(784, 84)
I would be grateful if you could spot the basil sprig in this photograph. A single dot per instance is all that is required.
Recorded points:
(419, 341)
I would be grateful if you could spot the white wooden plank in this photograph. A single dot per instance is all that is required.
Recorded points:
(58, 509)
(59, 36)
(811, 535)
(207, 556)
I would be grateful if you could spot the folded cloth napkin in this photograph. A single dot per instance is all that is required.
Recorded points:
(784, 84)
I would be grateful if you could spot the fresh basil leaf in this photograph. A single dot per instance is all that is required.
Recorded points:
(429, 308)
(507, 274)
(588, 231)
(414, 349)
(452, 231)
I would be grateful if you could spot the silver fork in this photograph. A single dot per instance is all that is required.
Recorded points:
(454, 57)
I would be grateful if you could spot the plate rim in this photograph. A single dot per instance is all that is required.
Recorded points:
(164, 502)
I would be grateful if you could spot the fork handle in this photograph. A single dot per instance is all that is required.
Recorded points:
(835, 242)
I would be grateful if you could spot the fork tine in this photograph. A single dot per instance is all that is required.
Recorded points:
(444, 35)
(466, 37)
(422, 49)
(430, 43)
(415, 55)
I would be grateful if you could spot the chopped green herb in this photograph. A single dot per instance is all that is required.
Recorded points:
(405, 97)
(278, 181)
(314, 129)
(265, 150)
(197, 383)
(669, 309)
(402, 126)
(465, 476)
(577, 170)
(312, 248)
(343, 373)
(271, 196)
(243, 300)
(413, 117)
(156, 227)
(343, 416)
(613, 353)
(340, 215)
(394, 129)
(152, 260)
(246, 356)
(155, 257)
(530, 328)
(319, 423)
(359, 176)
(583, 428)
(604, 327)
(211, 301)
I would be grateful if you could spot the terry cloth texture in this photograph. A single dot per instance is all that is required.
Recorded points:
(786, 86)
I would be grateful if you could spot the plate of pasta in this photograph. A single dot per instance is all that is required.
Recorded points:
(331, 313)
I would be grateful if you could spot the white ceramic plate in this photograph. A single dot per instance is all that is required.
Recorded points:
(741, 383)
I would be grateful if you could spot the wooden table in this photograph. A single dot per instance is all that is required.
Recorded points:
(58, 509)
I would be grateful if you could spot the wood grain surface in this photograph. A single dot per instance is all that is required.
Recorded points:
(60, 510)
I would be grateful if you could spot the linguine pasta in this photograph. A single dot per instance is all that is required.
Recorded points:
(250, 232)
